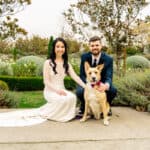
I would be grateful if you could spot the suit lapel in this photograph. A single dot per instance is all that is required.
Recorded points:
(89, 59)
(101, 60)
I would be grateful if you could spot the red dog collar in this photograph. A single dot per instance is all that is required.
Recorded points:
(97, 83)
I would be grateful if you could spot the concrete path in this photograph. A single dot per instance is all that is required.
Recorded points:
(128, 130)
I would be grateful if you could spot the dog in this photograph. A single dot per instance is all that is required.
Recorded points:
(95, 101)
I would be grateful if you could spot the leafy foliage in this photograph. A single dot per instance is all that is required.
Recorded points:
(111, 19)
(73, 46)
(138, 62)
(3, 86)
(7, 100)
(5, 68)
(23, 83)
(50, 46)
(134, 90)
(132, 50)
(34, 45)
(8, 26)
(4, 46)
(26, 69)
(30, 65)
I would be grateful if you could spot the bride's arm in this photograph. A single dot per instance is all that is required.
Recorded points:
(75, 77)
(46, 76)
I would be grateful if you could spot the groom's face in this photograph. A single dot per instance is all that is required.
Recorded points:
(95, 47)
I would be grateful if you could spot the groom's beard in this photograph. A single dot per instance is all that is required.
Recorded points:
(95, 52)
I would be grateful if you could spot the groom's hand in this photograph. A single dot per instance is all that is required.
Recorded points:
(103, 87)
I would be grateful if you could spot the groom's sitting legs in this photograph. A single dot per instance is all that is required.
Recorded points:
(80, 95)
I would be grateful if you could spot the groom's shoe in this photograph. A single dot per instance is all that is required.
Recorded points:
(79, 115)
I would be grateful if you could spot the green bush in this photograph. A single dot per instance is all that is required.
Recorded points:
(69, 83)
(138, 62)
(7, 100)
(31, 61)
(3, 86)
(32, 83)
(23, 83)
(132, 50)
(134, 90)
(148, 108)
(5, 69)
(73, 45)
(74, 59)
(34, 45)
(27, 69)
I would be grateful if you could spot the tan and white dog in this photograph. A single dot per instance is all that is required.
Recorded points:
(95, 101)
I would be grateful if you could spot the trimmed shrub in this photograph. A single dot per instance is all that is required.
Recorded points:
(3, 86)
(138, 62)
(23, 83)
(31, 61)
(7, 100)
(32, 83)
(5, 69)
(27, 69)
(69, 83)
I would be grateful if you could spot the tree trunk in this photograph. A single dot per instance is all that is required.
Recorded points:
(124, 60)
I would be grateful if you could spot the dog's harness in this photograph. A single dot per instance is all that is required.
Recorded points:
(97, 83)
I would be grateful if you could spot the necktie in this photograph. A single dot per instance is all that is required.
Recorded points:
(95, 63)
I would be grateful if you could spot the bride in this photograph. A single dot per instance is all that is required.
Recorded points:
(61, 103)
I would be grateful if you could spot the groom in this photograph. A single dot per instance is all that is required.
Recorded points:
(94, 58)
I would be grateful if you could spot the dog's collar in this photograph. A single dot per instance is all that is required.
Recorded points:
(97, 83)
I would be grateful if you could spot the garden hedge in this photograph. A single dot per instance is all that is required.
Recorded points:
(31, 83)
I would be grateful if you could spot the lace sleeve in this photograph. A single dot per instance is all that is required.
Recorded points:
(46, 76)
(75, 77)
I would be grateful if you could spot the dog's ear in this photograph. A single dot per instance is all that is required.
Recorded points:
(100, 67)
(86, 66)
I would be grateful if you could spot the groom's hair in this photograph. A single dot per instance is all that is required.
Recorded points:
(95, 38)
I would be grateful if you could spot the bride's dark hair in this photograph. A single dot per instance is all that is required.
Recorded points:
(64, 56)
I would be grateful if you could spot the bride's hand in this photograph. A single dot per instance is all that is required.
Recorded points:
(61, 92)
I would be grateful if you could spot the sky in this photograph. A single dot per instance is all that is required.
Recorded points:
(44, 17)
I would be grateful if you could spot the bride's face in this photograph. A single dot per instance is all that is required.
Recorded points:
(59, 49)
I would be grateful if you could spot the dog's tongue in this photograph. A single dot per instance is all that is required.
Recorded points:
(96, 83)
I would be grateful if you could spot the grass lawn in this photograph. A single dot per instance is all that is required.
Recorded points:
(29, 99)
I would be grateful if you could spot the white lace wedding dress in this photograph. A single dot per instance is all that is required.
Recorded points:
(58, 108)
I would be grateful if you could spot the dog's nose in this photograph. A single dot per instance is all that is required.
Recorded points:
(93, 79)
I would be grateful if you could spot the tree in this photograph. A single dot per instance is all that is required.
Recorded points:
(50, 46)
(113, 19)
(142, 32)
(8, 26)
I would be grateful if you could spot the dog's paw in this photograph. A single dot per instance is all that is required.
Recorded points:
(82, 120)
(106, 122)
